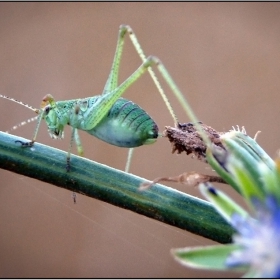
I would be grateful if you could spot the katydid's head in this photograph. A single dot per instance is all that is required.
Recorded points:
(49, 114)
(47, 100)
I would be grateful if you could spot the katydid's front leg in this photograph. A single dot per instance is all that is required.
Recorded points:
(41, 112)
(56, 118)
(74, 136)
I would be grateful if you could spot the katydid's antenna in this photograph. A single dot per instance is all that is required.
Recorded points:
(25, 105)
(21, 103)
(22, 124)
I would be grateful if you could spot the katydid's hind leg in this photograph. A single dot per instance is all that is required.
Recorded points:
(181, 98)
(112, 91)
(140, 52)
(102, 106)
(112, 81)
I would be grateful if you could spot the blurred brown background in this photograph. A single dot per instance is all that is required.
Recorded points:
(224, 57)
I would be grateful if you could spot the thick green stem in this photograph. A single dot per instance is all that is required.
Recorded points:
(113, 186)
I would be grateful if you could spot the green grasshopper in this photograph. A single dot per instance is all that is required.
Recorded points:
(109, 117)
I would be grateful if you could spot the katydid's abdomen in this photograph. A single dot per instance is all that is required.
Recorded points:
(126, 125)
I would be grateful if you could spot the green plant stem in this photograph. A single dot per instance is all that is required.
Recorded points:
(113, 186)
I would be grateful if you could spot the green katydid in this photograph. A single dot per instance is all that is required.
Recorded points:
(108, 117)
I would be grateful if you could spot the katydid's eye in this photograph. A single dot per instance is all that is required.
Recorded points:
(47, 109)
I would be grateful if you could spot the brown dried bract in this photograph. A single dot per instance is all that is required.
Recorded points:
(188, 178)
(186, 138)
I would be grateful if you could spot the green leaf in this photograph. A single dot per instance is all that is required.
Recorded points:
(113, 186)
(248, 187)
(211, 154)
(222, 203)
(239, 154)
(252, 147)
(208, 257)
(271, 181)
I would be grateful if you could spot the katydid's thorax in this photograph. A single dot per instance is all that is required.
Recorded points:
(69, 112)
